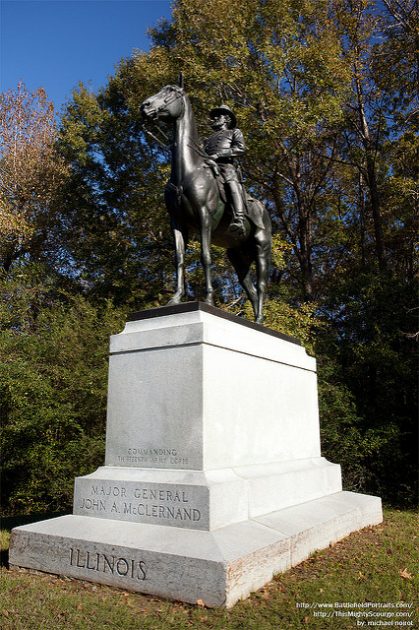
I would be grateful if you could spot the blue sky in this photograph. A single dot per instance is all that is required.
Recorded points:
(54, 44)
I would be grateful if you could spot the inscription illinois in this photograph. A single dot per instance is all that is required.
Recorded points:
(104, 563)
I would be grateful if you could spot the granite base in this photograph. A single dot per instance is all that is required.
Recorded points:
(216, 567)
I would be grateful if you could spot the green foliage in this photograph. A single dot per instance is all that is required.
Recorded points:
(53, 375)
(344, 438)
(116, 229)
(374, 358)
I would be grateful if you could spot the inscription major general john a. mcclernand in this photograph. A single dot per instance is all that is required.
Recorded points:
(160, 504)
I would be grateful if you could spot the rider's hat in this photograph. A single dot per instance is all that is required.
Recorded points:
(224, 109)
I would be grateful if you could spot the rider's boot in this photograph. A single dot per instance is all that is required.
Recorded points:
(238, 224)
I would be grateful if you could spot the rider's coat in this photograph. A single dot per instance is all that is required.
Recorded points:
(227, 144)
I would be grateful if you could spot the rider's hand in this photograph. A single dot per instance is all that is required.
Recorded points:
(211, 162)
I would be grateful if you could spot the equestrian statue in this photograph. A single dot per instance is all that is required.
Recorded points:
(205, 195)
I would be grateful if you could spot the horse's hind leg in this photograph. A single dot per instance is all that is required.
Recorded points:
(263, 255)
(241, 261)
(206, 254)
(180, 237)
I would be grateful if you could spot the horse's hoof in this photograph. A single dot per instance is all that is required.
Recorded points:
(174, 300)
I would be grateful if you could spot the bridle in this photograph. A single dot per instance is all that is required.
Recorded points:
(174, 92)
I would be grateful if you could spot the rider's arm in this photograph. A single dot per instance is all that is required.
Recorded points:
(236, 148)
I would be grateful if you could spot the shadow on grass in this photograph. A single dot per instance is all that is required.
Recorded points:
(9, 522)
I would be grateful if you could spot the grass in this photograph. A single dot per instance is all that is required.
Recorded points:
(374, 565)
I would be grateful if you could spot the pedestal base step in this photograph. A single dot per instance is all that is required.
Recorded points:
(218, 567)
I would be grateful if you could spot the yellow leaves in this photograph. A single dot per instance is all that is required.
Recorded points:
(4, 539)
(299, 322)
(31, 170)
(405, 574)
(215, 15)
(128, 601)
(280, 248)
(243, 56)
(265, 593)
(213, 35)
(13, 225)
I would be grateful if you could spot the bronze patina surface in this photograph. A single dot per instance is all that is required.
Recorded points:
(195, 200)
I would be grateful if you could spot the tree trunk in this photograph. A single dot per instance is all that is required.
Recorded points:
(376, 210)
(304, 239)
(371, 172)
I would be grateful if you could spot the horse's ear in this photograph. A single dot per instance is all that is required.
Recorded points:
(180, 81)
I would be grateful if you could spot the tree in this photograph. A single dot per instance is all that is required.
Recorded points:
(380, 47)
(324, 94)
(116, 228)
(279, 66)
(396, 68)
(53, 379)
(366, 124)
(397, 55)
(32, 173)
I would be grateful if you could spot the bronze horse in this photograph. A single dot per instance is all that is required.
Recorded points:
(194, 203)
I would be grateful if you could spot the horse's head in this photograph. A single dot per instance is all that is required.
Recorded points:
(166, 105)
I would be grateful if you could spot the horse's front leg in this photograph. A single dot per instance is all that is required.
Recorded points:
(180, 238)
(206, 254)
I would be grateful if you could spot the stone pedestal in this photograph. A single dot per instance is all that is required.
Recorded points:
(213, 479)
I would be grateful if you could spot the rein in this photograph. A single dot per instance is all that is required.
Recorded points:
(174, 94)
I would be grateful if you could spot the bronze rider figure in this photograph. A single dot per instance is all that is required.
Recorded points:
(224, 146)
